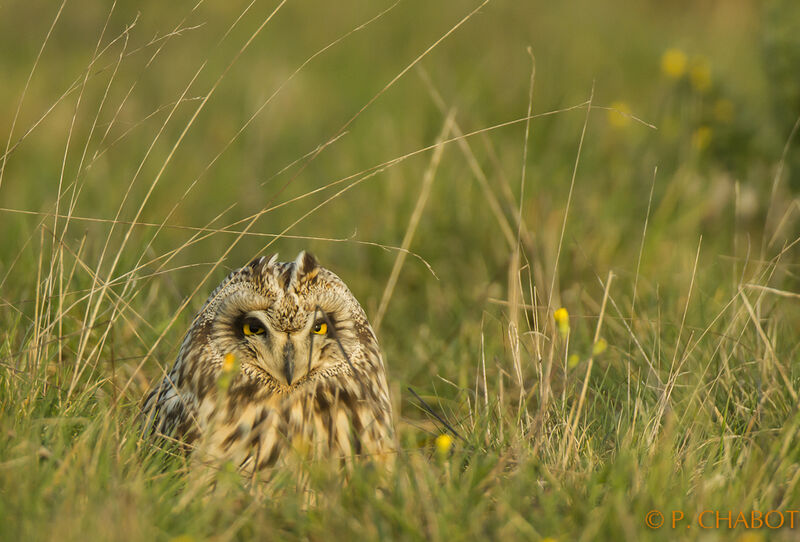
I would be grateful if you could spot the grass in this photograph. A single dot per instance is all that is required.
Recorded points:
(466, 191)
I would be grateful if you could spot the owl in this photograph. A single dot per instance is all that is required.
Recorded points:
(281, 357)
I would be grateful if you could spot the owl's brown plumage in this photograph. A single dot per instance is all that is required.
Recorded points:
(280, 354)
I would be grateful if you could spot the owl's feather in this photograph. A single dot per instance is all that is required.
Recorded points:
(311, 374)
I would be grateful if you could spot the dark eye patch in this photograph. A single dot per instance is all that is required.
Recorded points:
(248, 326)
(324, 321)
(331, 331)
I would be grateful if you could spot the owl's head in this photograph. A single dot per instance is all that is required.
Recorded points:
(287, 323)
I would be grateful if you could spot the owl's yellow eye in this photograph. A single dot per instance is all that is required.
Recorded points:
(252, 328)
(320, 328)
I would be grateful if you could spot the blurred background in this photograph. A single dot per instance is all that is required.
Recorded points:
(166, 115)
(150, 147)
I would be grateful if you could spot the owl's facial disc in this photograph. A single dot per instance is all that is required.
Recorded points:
(286, 355)
(303, 348)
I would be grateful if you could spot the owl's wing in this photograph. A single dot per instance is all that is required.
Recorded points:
(168, 409)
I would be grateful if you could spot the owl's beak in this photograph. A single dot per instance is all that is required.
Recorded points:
(288, 362)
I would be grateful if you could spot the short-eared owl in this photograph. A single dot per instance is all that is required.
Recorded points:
(280, 353)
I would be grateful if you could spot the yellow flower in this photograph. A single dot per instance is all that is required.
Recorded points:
(619, 115)
(229, 369)
(599, 347)
(673, 63)
(723, 110)
(701, 138)
(573, 360)
(443, 444)
(700, 75)
(561, 317)
(229, 363)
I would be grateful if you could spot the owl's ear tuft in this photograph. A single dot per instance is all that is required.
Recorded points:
(256, 262)
(305, 266)
(272, 260)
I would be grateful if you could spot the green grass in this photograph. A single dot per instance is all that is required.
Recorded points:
(126, 196)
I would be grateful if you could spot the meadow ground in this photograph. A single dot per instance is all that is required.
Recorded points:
(577, 226)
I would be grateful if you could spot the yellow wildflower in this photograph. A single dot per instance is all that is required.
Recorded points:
(701, 138)
(561, 317)
(700, 75)
(573, 360)
(723, 110)
(229, 363)
(673, 63)
(619, 115)
(444, 443)
(229, 369)
(599, 347)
